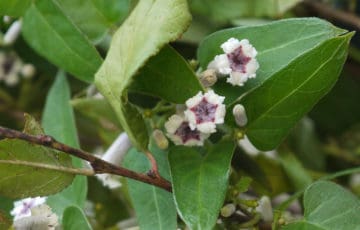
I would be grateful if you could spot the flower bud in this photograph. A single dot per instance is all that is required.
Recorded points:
(28, 70)
(6, 19)
(12, 33)
(228, 210)
(240, 115)
(208, 78)
(265, 209)
(160, 139)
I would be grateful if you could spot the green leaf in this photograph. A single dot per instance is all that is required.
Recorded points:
(51, 33)
(175, 82)
(89, 17)
(328, 206)
(156, 210)
(29, 170)
(200, 182)
(140, 37)
(74, 218)
(275, 107)
(294, 170)
(15, 8)
(58, 121)
(114, 10)
(274, 53)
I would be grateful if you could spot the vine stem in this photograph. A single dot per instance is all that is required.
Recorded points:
(99, 166)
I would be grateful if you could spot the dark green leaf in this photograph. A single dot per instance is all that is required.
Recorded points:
(74, 218)
(275, 107)
(89, 17)
(175, 82)
(274, 53)
(155, 210)
(328, 206)
(200, 182)
(113, 10)
(140, 37)
(51, 33)
(15, 8)
(58, 121)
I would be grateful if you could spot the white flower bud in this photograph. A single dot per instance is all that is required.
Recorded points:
(160, 139)
(240, 115)
(12, 80)
(6, 19)
(28, 71)
(228, 210)
(12, 33)
(265, 209)
(208, 78)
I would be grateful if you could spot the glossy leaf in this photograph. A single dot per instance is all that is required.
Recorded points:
(58, 121)
(89, 15)
(200, 182)
(15, 8)
(328, 206)
(175, 82)
(155, 210)
(275, 107)
(29, 170)
(274, 53)
(140, 36)
(74, 218)
(51, 33)
(222, 12)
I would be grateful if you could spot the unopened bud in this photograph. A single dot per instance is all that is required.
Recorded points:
(6, 19)
(265, 209)
(240, 115)
(208, 78)
(160, 139)
(27, 71)
(118, 149)
(193, 63)
(228, 210)
(12, 80)
(12, 33)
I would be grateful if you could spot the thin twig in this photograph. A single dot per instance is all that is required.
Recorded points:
(332, 14)
(99, 165)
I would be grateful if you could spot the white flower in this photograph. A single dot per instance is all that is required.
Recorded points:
(205, 111)
(10, 67)
(114, 155)
(240, 115)
(12, 33)
(239, 61)
(42, 218)
(179, 131)
(265, 209)
(23, 207)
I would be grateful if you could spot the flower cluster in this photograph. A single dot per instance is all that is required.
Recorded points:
(238, 61)
(203, 112)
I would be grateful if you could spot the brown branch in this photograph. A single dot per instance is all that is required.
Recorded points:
(332, 14)
(99, 165)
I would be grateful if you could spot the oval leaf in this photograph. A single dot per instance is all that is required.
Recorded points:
(74, 218)
(275, 107)
(175, 82)
(276, 49)
(200, 182)
(139, 37)
(156, 210)
(51, 33)
(328, 206)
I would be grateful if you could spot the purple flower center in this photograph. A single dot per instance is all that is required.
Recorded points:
(186, 134)
(204, 111)
(238, 60)
(26, 207)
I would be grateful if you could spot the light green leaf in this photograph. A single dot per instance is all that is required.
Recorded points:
(328, 206)
(74, 218)
(222, 12)
(15, 8)
(275, 107)
(156, 210)
(28, 170)
(150, 26)
(51, 33)
(175, 82)
(58, 121)
(200, 182)
(274, 53)
(89, 17)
